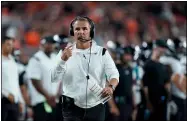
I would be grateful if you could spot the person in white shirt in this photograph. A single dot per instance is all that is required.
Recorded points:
(43, 93)
(83, 69)
(12, 101)
(178, 86)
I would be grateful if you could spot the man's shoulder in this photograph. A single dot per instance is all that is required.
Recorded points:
(37, 56)
(39, 53)
(100, 49)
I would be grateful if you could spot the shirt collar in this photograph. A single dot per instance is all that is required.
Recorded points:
(93, 47)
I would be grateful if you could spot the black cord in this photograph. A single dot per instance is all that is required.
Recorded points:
(87, 78)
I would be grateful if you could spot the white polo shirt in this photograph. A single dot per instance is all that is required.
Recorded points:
(73, 73)
(39, 68)
(10, 79)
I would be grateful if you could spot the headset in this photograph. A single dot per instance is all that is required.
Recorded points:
(92, 29)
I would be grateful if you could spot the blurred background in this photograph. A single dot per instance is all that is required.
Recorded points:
(130, 25)
(126, 23)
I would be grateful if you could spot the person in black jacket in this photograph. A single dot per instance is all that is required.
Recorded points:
(156, 83)
(121, 106)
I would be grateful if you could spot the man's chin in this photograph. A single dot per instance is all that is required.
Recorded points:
(82, 40)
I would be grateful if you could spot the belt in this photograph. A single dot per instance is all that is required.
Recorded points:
(67, 100)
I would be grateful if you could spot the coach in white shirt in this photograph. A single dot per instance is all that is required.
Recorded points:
(12, 101)
(43, 93)
(81, 66)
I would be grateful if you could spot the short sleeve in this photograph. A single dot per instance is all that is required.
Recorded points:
(110, 67)
(34, 69)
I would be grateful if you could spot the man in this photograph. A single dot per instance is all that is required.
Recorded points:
(156, 83)
(178, 86)
(121, 105)
(12, 101)
(81, 66)
(43, 93)
(22, 61)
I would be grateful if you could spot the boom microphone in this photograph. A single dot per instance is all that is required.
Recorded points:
(83, 39)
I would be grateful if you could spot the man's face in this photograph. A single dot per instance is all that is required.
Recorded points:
(8, 46)
(49, 47)
(24, 58)
(162, 51)
(81, 30)
(127, 58)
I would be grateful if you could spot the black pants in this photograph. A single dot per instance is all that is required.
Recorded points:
(58, 110)
(181, 113)
(41, 115)
(159, 110)
(10, 111)
(71, 112)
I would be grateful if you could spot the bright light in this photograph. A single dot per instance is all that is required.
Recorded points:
(137, 48)
(170, 43)
(56, 37)
(110, 44)
(144, 44)
(184, 44)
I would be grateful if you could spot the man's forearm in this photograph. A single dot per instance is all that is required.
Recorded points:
(168, 86)
(25, 94)
(39, 88)
(113, 82)
(146, 93)
(111, 103)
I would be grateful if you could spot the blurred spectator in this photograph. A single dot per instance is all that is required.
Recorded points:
(178, 84)
(156, 85)
(43, 93)
(12, 101)
(149, 20)
(121, 105)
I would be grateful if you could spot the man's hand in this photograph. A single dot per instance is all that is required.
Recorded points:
(30, 112)
(115, 111)
(134, 114)
(107, 91)
(149, 106)
(11, 98)
(21, 107)
(67, 53)
(51, 100)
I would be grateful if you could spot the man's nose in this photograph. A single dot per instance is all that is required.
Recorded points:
(81, 31)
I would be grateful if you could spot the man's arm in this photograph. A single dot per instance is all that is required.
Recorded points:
(113, 107)
(113, 82)
(35, 75)
(111, 70)
(58, 70)
(39, 87)
(179, 83)
(145, 80)
(111, 73)
(23, 88)
(25, 94)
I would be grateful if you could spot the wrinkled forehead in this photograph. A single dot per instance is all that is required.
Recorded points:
(81, 24)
